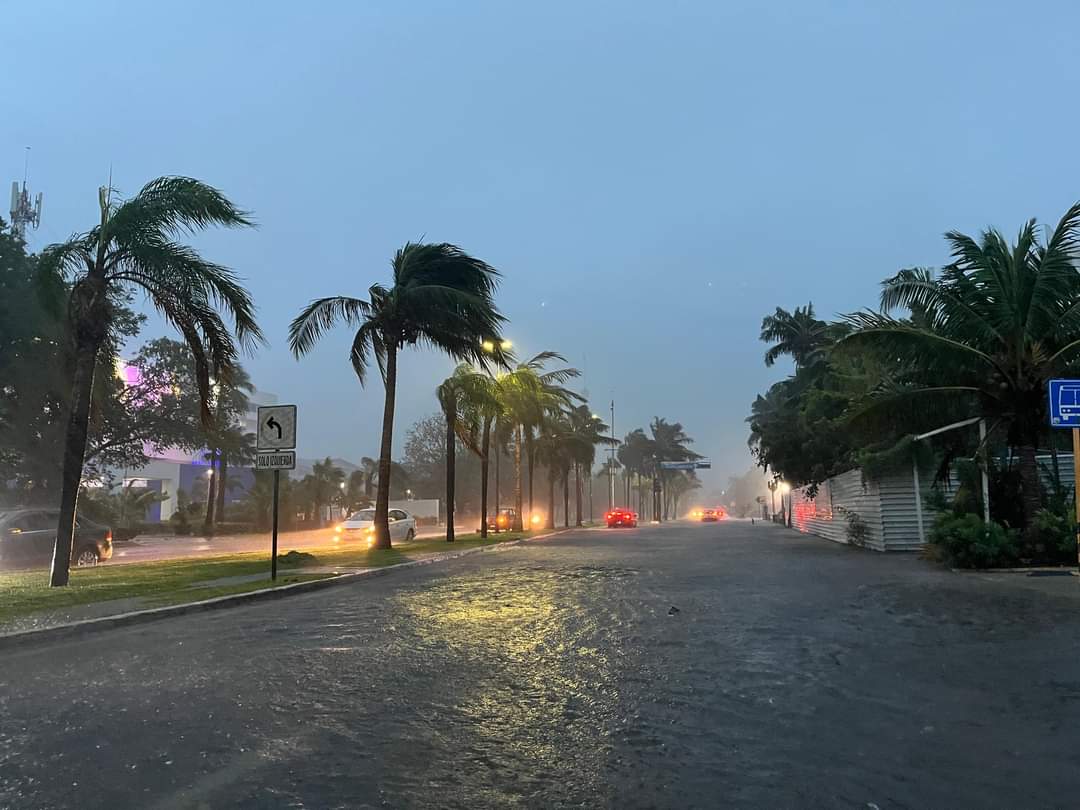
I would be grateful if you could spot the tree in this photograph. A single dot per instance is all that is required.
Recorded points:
(481, 406)
(669, 443)
(464, 396)
(323, 485)
(586, 431)
(637, 455)
(440, 297)
(134, 245)
(985, 337)
(797, 334)
(530, 396)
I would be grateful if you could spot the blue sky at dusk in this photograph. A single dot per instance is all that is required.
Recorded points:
(651, 178)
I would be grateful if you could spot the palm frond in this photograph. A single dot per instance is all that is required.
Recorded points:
(320, 316)
(171, 206)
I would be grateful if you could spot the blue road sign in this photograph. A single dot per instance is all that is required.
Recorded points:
(1065, 403)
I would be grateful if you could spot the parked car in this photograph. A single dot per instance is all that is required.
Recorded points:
(360, 526)
(28, 537)
(503, 520)
(621, 518)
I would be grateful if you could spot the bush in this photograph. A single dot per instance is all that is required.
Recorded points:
(857, 530)
(1055, 536)
(966, 542)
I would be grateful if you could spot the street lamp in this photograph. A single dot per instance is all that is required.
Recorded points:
(785, 489)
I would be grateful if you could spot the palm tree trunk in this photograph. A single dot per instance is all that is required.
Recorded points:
(82, 386)
(566, 498)
(211, 481)
(451, 418)
(551, 500)
(1030, 490)
(497, 454)
(382, 497)
(485, 452)
(519, 440)
(577, 493)
(222, 480)
(530, 456)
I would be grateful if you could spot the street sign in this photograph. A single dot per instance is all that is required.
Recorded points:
(1065, 403)
(277, 427)
(685, 465)
(283, 460)
(1065, 413)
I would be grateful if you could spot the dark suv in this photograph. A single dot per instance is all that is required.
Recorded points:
(27, 538)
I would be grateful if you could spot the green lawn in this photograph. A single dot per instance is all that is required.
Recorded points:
(178, 581)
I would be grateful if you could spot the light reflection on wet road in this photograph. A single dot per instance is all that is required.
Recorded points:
(794, 673)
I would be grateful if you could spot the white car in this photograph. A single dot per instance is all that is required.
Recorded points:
(360, 525)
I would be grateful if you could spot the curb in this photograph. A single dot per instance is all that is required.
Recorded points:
(85, 627)
(1059, 570)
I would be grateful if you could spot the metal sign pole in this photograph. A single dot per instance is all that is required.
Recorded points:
(1076, 487)
(273, 531)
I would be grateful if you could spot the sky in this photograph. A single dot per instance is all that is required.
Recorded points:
(650, 178)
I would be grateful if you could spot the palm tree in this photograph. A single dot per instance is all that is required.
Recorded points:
(325, 484)
(370, 469)
(669, 443)
(636, 453)
(460, 396)
(479, 407)
(440, 297)
(586, 432)
(134, 245)
(552, 450)
(798, 334)
(986, 335)
(530, 396)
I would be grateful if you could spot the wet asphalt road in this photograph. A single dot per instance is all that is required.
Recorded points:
(795, 673)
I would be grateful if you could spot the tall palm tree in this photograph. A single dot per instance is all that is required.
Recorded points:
(530, 397)
(986, 334)
(480, 409)
(462, 397)
(135, 245)
(553, 451)
(669, 443)
(798, 334)
(370, 469)
(586, 432)
(440, 297)
(324, 485)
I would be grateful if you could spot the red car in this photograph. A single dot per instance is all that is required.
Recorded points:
(621, 517)
(712, 515)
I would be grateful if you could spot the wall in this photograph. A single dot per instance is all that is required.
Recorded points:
(886, 505)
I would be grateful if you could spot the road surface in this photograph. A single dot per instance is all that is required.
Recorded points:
(683, 666)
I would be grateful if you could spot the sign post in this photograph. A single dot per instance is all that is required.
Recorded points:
(1065, 413)
(276, 443)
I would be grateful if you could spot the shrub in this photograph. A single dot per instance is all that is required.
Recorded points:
(966, 542)
(857, 530)
(1055, 536)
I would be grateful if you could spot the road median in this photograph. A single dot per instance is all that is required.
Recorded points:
(146, 592)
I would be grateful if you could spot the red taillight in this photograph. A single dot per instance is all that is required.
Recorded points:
(108, 535)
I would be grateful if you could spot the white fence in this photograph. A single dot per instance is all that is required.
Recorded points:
(885, 508)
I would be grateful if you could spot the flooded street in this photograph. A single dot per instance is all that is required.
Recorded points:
(676, 666)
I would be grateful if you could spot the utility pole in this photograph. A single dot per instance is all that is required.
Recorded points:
(611, 464)
(22, 212)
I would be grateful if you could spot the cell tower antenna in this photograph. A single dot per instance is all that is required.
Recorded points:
(23, 211)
